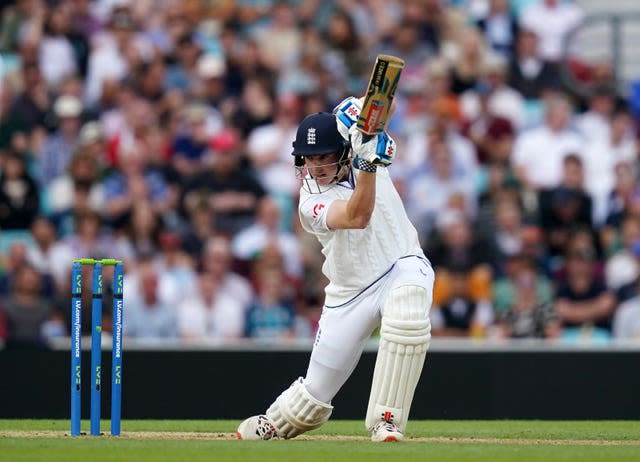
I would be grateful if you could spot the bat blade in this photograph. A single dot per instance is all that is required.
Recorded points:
(380, 92)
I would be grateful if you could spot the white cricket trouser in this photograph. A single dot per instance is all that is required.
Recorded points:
(344, 330)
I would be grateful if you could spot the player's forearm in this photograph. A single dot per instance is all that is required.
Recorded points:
(360, 205)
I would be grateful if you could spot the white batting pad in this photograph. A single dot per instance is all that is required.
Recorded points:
(295, 411)
(404, 340)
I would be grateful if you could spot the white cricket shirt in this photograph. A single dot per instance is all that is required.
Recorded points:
(355, 258)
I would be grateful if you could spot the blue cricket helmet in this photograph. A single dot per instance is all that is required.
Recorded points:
(318, 135)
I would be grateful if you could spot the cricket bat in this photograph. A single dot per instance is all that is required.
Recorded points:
(380, 92)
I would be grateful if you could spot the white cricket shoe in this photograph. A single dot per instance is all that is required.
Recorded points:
(386, 432)
(257, 427)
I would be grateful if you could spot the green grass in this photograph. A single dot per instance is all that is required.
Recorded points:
(460, 441)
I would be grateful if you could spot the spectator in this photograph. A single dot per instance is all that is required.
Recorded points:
(595, 123)
(134, 182)
(148, 316)
(40, 255)
(278, 38)
(211, 313)
(269, 149)
(554, 139)
(89, 239)
(271, 315)
(459, 315)
(500, 27)
(529, 73)
(230, 190)
(58, 58)
(626, 323)
(601, 157)
(27, 311)
(29, 108)
(622, 267)
(552, 21)
(190, 147)
(142, 232)
(566, 206)
(82, 177)
(583, 301)
(528, 315)
(58, 147)
(115, 51)
(19, 199)
(493, 97)
(506, 292)
(217, 259)
(201, 227)
(440, 180)
(250, 242)
(467, 59)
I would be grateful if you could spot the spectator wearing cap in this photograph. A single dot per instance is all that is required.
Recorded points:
(565, 206)
(226, 185)
(19, 195)
(58, 148)
(211, 70)
(539, 152)
(529, 73)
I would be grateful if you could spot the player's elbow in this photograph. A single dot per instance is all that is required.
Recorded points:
(361, 222)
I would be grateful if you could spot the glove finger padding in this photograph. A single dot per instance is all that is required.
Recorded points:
(377, 149)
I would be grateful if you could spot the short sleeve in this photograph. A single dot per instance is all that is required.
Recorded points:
(313, 213)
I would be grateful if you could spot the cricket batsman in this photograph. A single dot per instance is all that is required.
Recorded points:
(378, 276)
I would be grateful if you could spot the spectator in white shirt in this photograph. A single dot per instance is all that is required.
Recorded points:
(539, 152)
(252, 240)
(147, 315)
(552, 21)
(210, 312)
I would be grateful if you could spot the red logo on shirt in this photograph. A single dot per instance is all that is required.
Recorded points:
(317, 209)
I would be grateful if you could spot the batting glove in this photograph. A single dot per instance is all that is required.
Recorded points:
(377, 149)
(347, 112)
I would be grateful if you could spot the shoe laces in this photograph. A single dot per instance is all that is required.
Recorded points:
(265, 428)
(387, 426)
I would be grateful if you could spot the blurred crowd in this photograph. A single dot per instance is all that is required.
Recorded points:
(159, 132)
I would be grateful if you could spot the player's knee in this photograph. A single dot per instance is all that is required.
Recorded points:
(405, 318)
